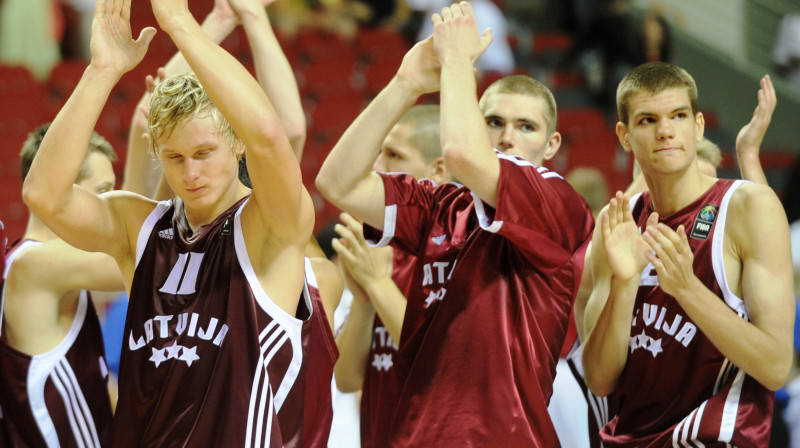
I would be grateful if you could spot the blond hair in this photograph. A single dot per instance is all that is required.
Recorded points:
(179, 99)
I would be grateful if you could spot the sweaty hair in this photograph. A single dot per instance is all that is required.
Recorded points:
(524, 85)
(424, 123)
(654, 77)
(31, 146)
(179, 99)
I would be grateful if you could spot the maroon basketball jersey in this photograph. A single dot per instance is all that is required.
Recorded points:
(320, 348)
(381, 385)
(57, 398)
(208, 358)
(676, 388)
(489, 305)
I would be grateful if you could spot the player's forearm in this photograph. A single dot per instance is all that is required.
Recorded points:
(354, 342)
(465, 142)
(750, 165)
(389, 303)
(230, 87)
(606, 349)
(276, 77)
(764, 356)
(350, 161)
(48, 187)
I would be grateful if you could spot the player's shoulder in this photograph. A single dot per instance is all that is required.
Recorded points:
(752, 198)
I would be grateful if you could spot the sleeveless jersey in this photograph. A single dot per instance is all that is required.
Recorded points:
(381, 382)
(492, 292)
(676, 388)
(319, 346)
(58, 398)
(208, 359)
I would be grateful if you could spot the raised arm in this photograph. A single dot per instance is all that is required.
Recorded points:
(280, 202)
(466, 146)
(142, 172)
(748, 141)
(78, 216)
(346, 178)
(610, 308)
(758, 230)
(273, 70)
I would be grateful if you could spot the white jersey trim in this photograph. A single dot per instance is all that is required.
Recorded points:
(10, 259)
(147, 228)
(389, 227)
(717, 258)
(53, 365)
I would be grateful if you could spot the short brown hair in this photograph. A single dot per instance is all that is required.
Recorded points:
(425, 130)
(178, 99)
(524, 85)
(31, 147)
(654, 77)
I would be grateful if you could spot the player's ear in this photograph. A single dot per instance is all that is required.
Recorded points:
(700, 126)
(623, 136)
(553, 144)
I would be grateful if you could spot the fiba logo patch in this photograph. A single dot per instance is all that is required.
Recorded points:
(704, 221)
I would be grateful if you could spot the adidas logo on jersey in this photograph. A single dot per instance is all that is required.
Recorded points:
(166, 234)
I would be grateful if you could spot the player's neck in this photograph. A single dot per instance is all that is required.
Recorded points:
(672, 192)
(199, 217)
(36, 230)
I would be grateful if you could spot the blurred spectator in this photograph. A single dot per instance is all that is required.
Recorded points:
(498, 57)
(30, 31)
(786, 52)
(590, 183)
(619, 39)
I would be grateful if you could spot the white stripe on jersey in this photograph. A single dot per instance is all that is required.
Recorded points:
(80, 417)
(260, 392)
(717, 255)
(731, 408)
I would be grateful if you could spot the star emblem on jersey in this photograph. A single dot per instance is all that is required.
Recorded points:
(382, 362)
(188, 355)
(434, 296)
(646, 342)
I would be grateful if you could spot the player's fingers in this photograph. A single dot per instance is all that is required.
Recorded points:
(447, 14)
(436, 19)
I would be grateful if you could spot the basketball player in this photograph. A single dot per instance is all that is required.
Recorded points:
(369, 337)
(697, 308)
(52, 360)
(495, 277)
(220, 294)
(748, 146)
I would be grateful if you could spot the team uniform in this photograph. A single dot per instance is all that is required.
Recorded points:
(208, 358)
(489, 307)
(58, 398)
(676, 388)
(381, 385)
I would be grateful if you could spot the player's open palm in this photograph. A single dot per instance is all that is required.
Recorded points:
(672, 257)
(420, 67)
(112, 45)
(624, 246)
(455, 33)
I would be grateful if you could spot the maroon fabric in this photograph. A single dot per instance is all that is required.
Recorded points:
(489, 309)
(208, 359)
(676, 384)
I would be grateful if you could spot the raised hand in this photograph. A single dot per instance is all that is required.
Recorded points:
(364, 263)
(112, 45)
(420, 67)
(624, 246)
(170, 13)
(672, 257)
(749, 138)
(455, 33)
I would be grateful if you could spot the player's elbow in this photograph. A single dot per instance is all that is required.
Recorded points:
(39, 198)
(775, 376)
(599, 385)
